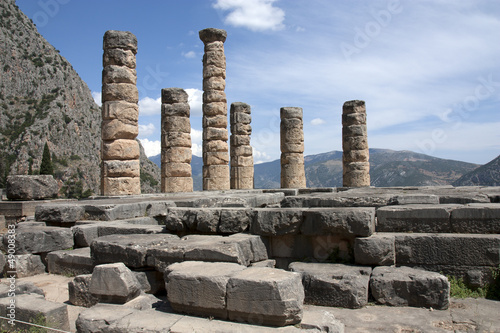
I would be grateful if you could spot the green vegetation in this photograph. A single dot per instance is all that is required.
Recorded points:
(459, 289)
(146, 177)
(73, 189)
(46, 168)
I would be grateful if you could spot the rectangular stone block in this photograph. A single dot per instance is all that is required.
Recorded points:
(356, 221)
(242, 172)
(277, 221)
(376, 250)
(242, 183)
(120, 110)
(415, 218)
(447, 249)
(215, 133)
(241, 151)
(199, 288)
(175, 109)
(176, 169)
(214, 109)
(405, 286)
(219, 121)
(214, 83)
(121, 186)
(265, 295)
(119, 74)
(240, 140)
(354, 143)
(242, 161)
(122, 149)
(216, 158)
(356, 156)
(176, 124)
(240, 117)
(120, 92)
(177, 184)
(175, 139)
(334, 285)
(476, 218)
(41, 239)
(119, 57)
(130, 168)
(70, 262)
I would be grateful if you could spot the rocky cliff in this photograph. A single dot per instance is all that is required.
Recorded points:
(485, 175)
(42, 99)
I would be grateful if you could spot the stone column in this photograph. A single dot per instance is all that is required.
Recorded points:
(241, 150)
(175, 141)
(120, 169)
(355, 159)
(292, 148)
(215, 136)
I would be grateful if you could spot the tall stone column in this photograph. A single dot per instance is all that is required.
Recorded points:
(120, 168)
(292, 148)
(355, 159)
(215, 136)
(175, 141)
(241, 150)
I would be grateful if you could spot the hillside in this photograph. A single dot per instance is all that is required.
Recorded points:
(388, 168)
(485, 175)
(42, 99)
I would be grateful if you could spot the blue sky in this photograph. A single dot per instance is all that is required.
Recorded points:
(429, 71)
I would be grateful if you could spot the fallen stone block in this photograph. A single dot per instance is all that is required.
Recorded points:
(42, 240)
(415, 218)
(101, 317)
(26, 265)
(114, 283)
(266, 296)
(129, 210)
(129, 249)
(20, 287)
(35, 308)
(344, 221)
(447, 249)
(412, 199)
(476, 219)
(264, 263)
(151, 281)
(70, 262)
(405, 286)
(334, 285)
(59, 214)
(39, 187)
(79, 291)
(277, 221)
(235, 220)
(376, 250)
(85, 234)
(30, 224)
(199, 288)
(145, 302)
(124, 228)
(321, 321)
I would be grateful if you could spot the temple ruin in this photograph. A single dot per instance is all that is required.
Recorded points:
(292, 148)
(241, 150)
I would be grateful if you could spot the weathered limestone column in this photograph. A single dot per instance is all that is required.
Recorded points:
(215, 136)
(356, 165)
(175, 141)
(292, 148)
(241, 150)
(120, 169)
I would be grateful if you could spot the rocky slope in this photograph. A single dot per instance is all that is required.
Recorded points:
(42, 99)
(485, 175)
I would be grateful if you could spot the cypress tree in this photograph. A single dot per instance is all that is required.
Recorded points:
(46, 168)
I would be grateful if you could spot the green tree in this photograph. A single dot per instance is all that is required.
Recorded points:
(46, 168)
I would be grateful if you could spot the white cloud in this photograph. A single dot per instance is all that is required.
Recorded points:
(260, 156)
(189, 55)
(146, 130)
(151, 148)
(149, 106)
(97, 97)
(195, 101)
(256, 15)
(317, 121)
(196, 142)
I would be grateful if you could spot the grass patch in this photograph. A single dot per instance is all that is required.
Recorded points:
(459, 289)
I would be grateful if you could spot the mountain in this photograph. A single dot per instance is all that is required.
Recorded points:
(485, 175)
(387, 168)
(42, 99)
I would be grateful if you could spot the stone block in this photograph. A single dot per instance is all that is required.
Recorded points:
(120, 110)
(476, 218)
(218, 108)
(215, 133)
(114, 283)
(129, 168)
(176, 110)
(214, 83)
(214, 96)
(120, 92)
(71, 262)
(405, 286)
(102, 317)
(356, 221)
(122, 149)
(174, 95)
(376, 250)
(199, 288)
(219, 121)
(144, 302)
(176, 139)
(21, 287)
(129, 249)
(356, 156)
(415, 218)
(121, 186)
(128, 210)
(79, 291)
(31, 307)
(119, 74)
(115, 129)
(266, 296)
(335, 285)
(176, 155)
(277, 221)
(118, 57)
(234, 220)
(264, 263)
(3, 261)
(26, 265)
(42, 239)
(240, 140)
(412, 199)
(178, 184)
(447, 249)
(216, 158)
(354, 143)
(291, 112)
(114, 39)
(54, 213)
(176, 124)
(321, 320)
(151, 281)
(39, 187)
(216, 146)
(85, 234)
